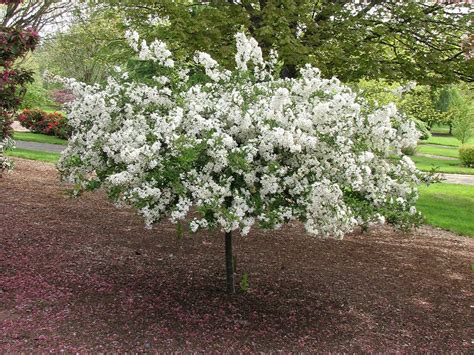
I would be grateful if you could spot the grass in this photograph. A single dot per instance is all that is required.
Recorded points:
(50, 109)
(440, 129)
(448, 206)
(443, 166)
(445, 140)
(433, 150)
(34, 155)
(38, 138)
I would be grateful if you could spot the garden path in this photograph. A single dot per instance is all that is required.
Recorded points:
(434, 156)
(43, 147)
(17, 127)
(439, 145)
(459, 179)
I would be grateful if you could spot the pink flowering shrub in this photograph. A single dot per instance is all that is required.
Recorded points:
(62, 96)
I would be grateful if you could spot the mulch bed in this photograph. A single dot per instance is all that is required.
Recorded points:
(80, 275)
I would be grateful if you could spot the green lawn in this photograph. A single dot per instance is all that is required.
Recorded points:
(50, 109)
(443, 166)
(448, 206)
(440, 129)
(433, 150)
(34, 155)
(445, 140)
(38, 138)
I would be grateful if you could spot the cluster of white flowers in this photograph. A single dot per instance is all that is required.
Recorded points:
(248, 50)
(5, 163)
(399, 91)
(159, 21)
(157, 51)
(211, 67)
(242, 149)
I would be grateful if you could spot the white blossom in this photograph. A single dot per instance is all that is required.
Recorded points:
(5, 163)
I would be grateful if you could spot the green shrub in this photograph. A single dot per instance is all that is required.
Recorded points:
(410, 151)
(36, 96)
(466, 154)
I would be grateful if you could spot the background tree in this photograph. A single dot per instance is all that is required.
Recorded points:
(407, 40)
(241, 148)
(462, 111)
(447, 96)
(87, 50)
(34, 13)
(14, 44)
(420, 104)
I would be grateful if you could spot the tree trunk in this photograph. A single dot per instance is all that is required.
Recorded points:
(289, 71)
(229, 264)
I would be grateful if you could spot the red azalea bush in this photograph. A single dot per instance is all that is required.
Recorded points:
(53, 124)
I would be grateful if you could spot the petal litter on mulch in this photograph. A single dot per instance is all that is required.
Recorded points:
(79, 275)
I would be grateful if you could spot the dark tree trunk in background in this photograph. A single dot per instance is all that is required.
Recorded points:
(289, 71)
(229, 264)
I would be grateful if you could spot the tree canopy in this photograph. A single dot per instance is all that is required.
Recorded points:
(408, 40)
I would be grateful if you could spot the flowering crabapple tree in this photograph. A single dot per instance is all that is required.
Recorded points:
(241, 148)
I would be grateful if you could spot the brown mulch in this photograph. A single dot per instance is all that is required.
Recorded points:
(80, 275)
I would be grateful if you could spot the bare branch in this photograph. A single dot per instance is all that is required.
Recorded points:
(34, 13)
